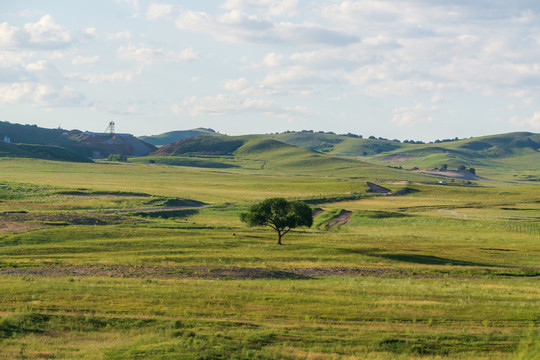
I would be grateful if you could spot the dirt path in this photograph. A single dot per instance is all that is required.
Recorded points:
(343, 218)
(200, 272)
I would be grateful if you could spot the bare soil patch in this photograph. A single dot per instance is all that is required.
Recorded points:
(39, 220)
(162, 208)
(215, 273)
(343, 218)
(14, 227)
(317, 212)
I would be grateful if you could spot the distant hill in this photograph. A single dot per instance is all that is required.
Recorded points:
(41, 152)
(202, 145)
(174, 136)
(335, 144)
(268, 155)
(512, 156)
(513, 152)
(78, 142)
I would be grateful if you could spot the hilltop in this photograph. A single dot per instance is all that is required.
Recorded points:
(174, 136)
(330, 143)
(85, 144)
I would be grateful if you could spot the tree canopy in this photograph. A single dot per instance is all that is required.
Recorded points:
(279, 214)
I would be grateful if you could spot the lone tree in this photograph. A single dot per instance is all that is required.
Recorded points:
(279, 214)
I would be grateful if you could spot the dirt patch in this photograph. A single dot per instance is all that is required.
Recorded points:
(212, 273)
(162, 208)
(162, 272)
(317, 212)
(15, 227)
(343, 218)
(39, 220)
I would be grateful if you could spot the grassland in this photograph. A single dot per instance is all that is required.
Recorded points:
(447, 272)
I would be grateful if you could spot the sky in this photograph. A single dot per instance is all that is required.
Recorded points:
(408, 69)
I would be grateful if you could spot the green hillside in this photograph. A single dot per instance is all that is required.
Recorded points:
(46, 152)
(82, 143)
(505, 156)
(33, 134)
(173, 136)
(331, 143)
(251, 152)
(513, 156)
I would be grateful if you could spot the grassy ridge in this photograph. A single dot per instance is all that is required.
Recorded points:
(40, 152)
(174, 136)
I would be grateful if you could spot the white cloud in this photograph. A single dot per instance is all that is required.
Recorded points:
(120, 75)
(43, 34)
(47, 33)
(144, 55)
(134, 4)
(236, 26)
(265, 7)
(533, 121)
(273, 60)
(159, 11)
(235, 84)
(39, 84)
(176, 109)
(37, 94)
(77, 60)
(185, 55)
(223, 105)
(9, 59)
(409, 116)
(10, 36)
(121, 35)
(417, 46)
(292, 81)
(91, 31)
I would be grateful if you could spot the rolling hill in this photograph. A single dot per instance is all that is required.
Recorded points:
(268, 156)
(505, 156)
(46, 152)
(174, 136)
(330, 143)
(508, 156)
(82, 143)
(512, 156)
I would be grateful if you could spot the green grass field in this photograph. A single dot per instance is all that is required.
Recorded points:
(94, 266)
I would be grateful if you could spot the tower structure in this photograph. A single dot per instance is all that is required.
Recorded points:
(110, 128)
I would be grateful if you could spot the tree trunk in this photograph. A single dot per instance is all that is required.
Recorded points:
(279, 238)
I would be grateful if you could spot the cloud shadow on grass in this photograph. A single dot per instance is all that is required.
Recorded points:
(429, 260)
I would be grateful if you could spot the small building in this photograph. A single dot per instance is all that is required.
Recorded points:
(7, 139)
